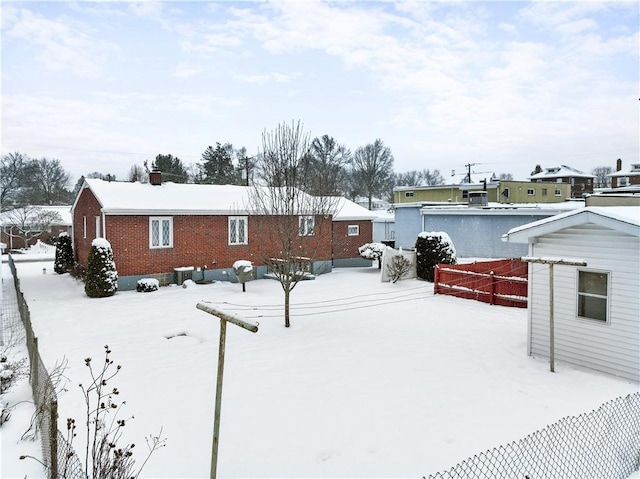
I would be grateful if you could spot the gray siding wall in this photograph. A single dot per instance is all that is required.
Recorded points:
(474, 235)
(611, 347)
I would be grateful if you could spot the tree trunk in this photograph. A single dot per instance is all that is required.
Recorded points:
(287, 292)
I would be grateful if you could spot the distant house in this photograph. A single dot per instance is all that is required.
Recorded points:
(352, 227)
(626, 177)
(475, 231)
(581, 183)
(493, 191)
(22, 224)
(158, 229)
(376, 203)
(596, 306)
(384, 230)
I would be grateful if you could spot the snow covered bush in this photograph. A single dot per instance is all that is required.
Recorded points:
(433, 248)
(147, 285)
(372, 251)
(101, 278)
(64, 254)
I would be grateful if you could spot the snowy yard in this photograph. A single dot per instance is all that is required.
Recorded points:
(372, 379)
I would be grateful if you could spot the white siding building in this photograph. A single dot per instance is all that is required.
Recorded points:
(597, 306)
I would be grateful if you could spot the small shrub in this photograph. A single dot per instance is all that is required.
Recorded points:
(433, 248)
(102, 278)
(398, 267)
(64, 254)
(77, 271)
(147, 285)
(372, 251)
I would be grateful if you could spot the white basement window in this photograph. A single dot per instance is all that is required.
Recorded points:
(353, 230)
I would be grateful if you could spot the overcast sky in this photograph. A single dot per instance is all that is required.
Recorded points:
(505, 85)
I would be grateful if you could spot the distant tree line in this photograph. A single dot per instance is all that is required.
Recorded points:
(328, 168)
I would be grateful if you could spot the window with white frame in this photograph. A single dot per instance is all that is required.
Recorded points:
(238, 230)
(161, 232)
(353, 230)
(408, 194)
(531, 192)
(558, 192)
(593, 295)
(98, 235)
(306, 226)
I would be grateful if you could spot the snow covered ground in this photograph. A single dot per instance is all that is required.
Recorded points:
(372, 379)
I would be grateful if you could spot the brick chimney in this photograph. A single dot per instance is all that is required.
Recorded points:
(619, 164)
(155, 177)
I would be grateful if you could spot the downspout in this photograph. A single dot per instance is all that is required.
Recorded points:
(104, 225)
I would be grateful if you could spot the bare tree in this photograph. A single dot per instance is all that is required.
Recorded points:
(602, 178)
(373, 169)
(137, 173)
(29, 222)
(431, 178)
(12, 168)
(293, 227)
(47, 182)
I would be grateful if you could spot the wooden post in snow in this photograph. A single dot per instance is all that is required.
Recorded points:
(249, 326)
(551, 262)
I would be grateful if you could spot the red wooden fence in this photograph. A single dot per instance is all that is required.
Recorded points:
(501, 282)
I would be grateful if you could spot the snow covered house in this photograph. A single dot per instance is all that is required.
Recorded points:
(596, 306)
(162, 229)
(352, 227)
(581, 183)
(629, 176)
(25, 226)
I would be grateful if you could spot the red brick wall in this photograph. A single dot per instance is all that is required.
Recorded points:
(87, 206)
(198, 240)
(345, 246)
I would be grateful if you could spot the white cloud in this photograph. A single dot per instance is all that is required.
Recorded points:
(61, 45)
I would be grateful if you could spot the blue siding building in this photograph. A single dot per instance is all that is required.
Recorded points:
(475, 231)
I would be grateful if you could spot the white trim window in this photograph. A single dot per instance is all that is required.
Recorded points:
(593, 295)
(98, 235)
(558, 192)
(306, 225)
(238, 230)
(353, 230)
(160, 232)
(531, 192)
(408, 194)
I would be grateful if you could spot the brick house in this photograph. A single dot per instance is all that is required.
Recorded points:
(623, 178)
(352, 227)
(157, 228)
(581, 183)
(20, 225)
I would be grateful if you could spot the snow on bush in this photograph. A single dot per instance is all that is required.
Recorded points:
(433, 248)
(147, 285)
(101, 277)
(64, 254)
(372, 251)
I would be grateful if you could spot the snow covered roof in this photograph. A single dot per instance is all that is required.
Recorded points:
(632, 170)
(562, 171)
(619, 218)
(348, 210)
(126, 198)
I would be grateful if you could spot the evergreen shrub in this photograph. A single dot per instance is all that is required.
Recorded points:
(433, 248)
(64, 254)
(101, 278)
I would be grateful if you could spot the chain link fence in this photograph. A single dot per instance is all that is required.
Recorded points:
(604, 443)
(57, 455)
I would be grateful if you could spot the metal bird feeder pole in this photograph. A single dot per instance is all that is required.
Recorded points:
(249, 326)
